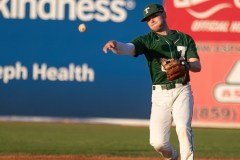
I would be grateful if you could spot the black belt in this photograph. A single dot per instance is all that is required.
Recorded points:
(168, 86)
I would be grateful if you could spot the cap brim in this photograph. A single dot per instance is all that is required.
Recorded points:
(144, 19)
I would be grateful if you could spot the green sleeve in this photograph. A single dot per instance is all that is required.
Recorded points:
(140, 45)
(192, 49)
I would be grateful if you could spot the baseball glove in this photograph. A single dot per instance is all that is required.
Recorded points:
(174, 69)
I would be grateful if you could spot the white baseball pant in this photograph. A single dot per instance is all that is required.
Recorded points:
(167, 106)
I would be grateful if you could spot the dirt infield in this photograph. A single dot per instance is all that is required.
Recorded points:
(68, 157)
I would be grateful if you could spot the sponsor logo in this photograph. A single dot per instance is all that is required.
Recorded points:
(44, 72)
(209, 15)
(84, 10)
(208, 12)
(229, 92)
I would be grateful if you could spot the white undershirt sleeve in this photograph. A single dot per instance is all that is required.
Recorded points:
(124, 48)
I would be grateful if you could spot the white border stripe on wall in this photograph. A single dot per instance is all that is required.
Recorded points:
(110, 121)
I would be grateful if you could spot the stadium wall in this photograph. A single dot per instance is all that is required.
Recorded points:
(50, 69)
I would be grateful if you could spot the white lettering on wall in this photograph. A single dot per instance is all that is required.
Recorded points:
(84, 10)
(43, 72)
(215, 26)
(210, 26)
(71, 73)
(17, 72)
(237, 3)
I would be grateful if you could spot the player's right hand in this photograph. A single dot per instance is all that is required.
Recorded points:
(110, 45)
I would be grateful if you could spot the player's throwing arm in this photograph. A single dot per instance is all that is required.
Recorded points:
(119, 48)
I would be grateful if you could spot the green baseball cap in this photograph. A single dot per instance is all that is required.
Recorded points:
(150, 10)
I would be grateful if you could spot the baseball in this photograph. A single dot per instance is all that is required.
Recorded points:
(82, 27)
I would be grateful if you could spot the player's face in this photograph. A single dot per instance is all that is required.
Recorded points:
(156, 21)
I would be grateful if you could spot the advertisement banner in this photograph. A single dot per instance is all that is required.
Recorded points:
(215, 27)
(206, 20)
(49, 68)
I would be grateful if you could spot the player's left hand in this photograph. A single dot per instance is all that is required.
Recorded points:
(174, 69)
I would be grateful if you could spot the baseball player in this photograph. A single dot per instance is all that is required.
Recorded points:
(170, 55)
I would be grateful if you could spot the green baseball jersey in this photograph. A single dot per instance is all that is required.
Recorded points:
(175, 45)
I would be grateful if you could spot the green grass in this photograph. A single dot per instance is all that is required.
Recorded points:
(86, 139)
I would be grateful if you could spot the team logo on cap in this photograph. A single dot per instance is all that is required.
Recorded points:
(146, 10)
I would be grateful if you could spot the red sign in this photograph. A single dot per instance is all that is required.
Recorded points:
(216, 88)
(205, 19)
(215, 27)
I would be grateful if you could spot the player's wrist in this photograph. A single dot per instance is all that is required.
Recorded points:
(186, 65)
